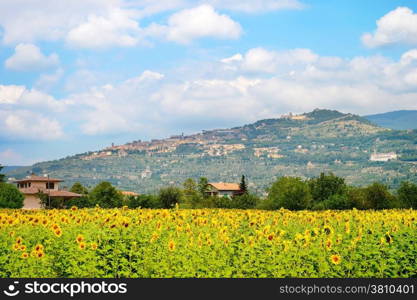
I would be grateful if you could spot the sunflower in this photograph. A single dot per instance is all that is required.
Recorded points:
(81, 245)
(94, 246)
(171, 245)
(58, 232)
(22, 248)
(74, 208)
(19, 240)
(327, 230)
(79, 238)
(40, 254)
(328, 244)
(25, 255)
(38, 248)
(335, 259)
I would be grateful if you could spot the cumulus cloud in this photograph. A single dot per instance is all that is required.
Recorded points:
(28, 125)
(18, 97)
(47, 80)
(117, 29)
(399, 26)
(235, 90)
(50, 20)
(263, 60)
(28, 57)
(9, 94)
(198, 22)
(106, 23)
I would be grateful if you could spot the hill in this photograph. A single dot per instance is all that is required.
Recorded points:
(295, 145)
(401, 119)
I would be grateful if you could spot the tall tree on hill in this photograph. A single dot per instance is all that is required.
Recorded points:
(203, 186)
(243, 186)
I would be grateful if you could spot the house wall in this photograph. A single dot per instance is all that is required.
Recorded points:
(42, 185)
(31, 202)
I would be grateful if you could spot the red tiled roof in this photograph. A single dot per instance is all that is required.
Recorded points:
(224, 186)
(38, 179)
(52, 193)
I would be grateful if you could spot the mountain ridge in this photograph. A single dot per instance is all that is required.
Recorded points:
(297, 145)
(400, 119)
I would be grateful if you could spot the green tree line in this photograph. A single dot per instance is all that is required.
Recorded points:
(326, 191)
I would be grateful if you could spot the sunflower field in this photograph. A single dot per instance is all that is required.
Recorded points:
(119, 243)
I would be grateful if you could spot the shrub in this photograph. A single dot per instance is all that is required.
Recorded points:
(10, 196)
(407, 194)
(170, 196)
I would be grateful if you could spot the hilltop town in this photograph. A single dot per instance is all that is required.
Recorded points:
(294, 144)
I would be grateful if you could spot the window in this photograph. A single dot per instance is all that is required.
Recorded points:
(50, 185)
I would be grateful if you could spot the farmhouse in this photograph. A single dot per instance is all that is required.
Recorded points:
(224, 189)
(32, 185)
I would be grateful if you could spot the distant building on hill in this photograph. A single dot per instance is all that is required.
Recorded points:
(383, 156)
(221, 189)
(128, 193)
(32, 185)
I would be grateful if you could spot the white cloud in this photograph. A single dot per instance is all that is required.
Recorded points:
(9, 94)
(399, 26)
(117, 29)
(247, 90)
(263, 60)
(28, 125)
(105, 23)
(46, 81)
(250, 6)
(28, 57)
(50, 20)
(21, 98)
(234, 58)
(199, 22)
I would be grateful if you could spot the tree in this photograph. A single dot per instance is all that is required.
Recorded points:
(290, 193)
(192, 197)
(243, 186)
(170, 196)
(203, 187)
(245, 201)
(335, 201)
(325, 186)
(105, 195)
(377, 196)
(143, 201)
(356, 196)
(2, 176)
(79, 189)
(10, 196)
(82, 201)
(407, 194)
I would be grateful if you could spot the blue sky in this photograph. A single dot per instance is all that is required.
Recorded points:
(77, 75)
